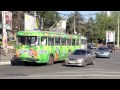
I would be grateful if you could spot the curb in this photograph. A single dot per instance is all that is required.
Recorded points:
(5, 63)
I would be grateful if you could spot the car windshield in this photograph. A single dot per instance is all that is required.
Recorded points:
(102, 48)
(79, 52)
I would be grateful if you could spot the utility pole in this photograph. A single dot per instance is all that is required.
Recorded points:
(4, 36)
(41, 22)
(74, 27)
(118, 32)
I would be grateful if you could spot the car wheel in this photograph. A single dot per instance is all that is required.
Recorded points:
(93, 62)
(51, 60)
(85, 64)
(13, 63)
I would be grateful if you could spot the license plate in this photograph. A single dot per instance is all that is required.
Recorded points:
(71, 62)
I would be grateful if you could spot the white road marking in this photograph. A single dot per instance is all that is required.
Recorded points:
(73, 73)
(4, 63)
(53, 76)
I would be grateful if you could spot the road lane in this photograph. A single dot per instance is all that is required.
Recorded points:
(105, 68)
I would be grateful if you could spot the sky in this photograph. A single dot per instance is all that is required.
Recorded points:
(82, 12)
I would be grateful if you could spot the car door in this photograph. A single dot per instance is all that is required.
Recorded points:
(92, 56)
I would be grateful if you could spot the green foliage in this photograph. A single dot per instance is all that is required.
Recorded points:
(18, 20)
(93, 29)
(50, 18)
(105, 22)
(79, 23)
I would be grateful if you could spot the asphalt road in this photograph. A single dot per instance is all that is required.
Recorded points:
(103, 69)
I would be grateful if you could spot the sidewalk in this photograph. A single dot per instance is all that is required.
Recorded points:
(5, 60)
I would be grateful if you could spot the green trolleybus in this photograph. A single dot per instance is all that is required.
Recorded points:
(83, 42)
(44, 46)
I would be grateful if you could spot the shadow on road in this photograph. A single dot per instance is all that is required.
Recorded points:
(32, 64)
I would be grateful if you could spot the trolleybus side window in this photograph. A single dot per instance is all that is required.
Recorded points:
(57, 41)
(43, 41)
(68, 42)
(50, 41)
(63, 41)
(73, 42)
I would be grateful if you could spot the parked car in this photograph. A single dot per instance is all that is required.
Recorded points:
(103, 51)
(81, 57)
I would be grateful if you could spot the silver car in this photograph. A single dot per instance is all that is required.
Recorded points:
(103, 51)
(81, 57)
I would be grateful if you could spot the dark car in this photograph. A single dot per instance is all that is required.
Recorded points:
(111, 46)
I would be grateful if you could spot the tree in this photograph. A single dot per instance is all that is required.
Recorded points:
(70, 24)
(79, 23)
(18, 20)
(106, 23)
(51, 17)
(91, 30)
